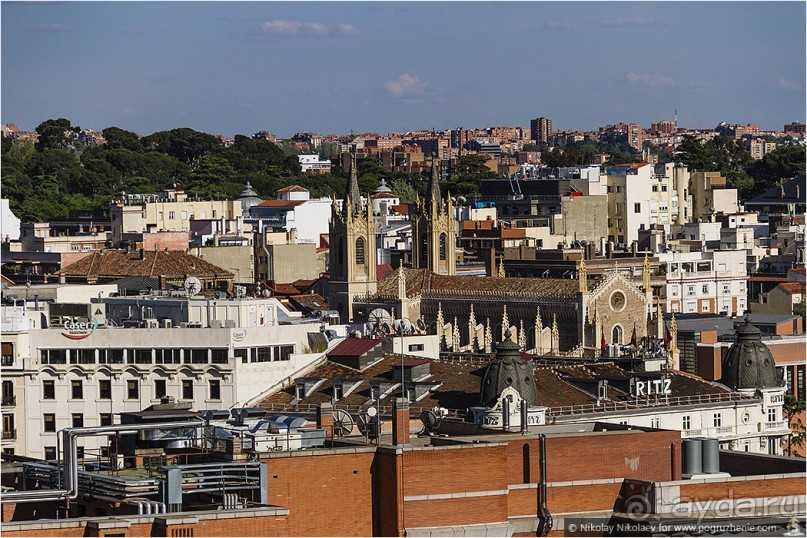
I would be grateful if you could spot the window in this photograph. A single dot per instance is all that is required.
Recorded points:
(106, 419)
(78, 420)
(80, 452)
(686, 422)
(104, 389)
(195, 356)
(215, 389)
(705, 288)
(717, 420)
(655, 422)
(264, 354)
(48, 390)
(183, 215)
(187, 389)
(285, 353)
(338, 391)
(82, 356)
(360, 251)
(443, 247)
(132, 389)
(243, 354)
(299, 391)
(76, 389)
(50, 452)
(637, 207)
(415, 347)
(800, 382)
(159, 388)
(771, 414)
(141, 356)
(49, 420)
(219, 356)
(690, 290)
(171, 215)
(664, 188)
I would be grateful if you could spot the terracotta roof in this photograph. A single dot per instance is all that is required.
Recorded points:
(423, 281)
(382, 270)
(354, 347)
(402, 209)
(285, 290)
(293, 188)
(154, 263)
(792, 287)
(281, 203)
(383, 195)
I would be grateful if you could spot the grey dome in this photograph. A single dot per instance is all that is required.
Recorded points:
(248, 198)
(508, 369)
(382, 188)
(749, 364)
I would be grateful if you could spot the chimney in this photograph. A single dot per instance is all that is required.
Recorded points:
(325, 419)
(142, 254)
(490, 262)
(400, 422)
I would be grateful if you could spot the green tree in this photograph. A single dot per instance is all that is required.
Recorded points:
(471, 168)
(117, 138)
(404, 190)
(57, 134)
(792, 410)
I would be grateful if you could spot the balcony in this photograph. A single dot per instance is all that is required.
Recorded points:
(773, 426)
(9, 401)
(10, 434)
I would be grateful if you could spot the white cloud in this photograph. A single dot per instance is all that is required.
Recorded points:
(50, 27)
(281, 27)
(128, 111)
(343, 28)
(787, 84)
(652, 80)
(316, 29)
(405, 85)
(557, 25)
(629, 21)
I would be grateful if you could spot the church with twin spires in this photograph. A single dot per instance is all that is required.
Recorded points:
(468, 313)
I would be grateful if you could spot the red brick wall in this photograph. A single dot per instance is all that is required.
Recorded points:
(454, 470)
(463, 511)
(743, 489)
(592, 497)
(579, 458)
(305, 484)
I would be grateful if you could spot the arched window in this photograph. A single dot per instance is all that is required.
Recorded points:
(616, 335)
(424, 249)
(442, 247)
(360, 251)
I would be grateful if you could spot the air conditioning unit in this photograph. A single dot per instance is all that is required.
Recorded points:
(216, 324)
(150, 323)
(229, 323)
(166, 323)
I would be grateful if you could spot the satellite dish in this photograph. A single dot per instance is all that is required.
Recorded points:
(372, 411)
(421, 325)
(342, 423)
(431, 421)
(378, 316)
(405, 326)
(266, 293)
(386, 329)
(192, 285)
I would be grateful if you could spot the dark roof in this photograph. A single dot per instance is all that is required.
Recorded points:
(149, 263)
(309, 301)
(770, 319)
(458, 384)
(422, 281)
(701, 322)
(792, 194)
(137, 283)
(354, 347)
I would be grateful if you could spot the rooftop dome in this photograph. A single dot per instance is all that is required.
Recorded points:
(749, 364)
(508, 369)
(383, 187)
(248, 198)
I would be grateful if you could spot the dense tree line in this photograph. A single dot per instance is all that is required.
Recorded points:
(728, 156)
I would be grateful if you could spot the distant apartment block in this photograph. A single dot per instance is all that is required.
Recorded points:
(541, 130)
(312, 164)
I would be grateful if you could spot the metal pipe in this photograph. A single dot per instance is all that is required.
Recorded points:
(545, 514)
(524, 415)
(506, 414)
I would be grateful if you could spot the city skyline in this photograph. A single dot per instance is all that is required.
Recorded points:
(333, 67)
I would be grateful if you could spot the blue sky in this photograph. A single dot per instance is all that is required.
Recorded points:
(329, 67)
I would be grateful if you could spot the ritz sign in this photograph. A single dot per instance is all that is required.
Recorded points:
(79, 330)
(657, 387)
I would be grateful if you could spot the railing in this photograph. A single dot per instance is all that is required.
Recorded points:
(353, 409)
(772, 426)
(692, 433)
(9, 400)
(643, 403)
(7, 360)
(10, 434)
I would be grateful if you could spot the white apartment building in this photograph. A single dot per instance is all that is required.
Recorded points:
(312, 164)
(62, 370)
(294, 209)
(671, 202)
(706, 282)
(760, 147)
(629, 189)
(172, 211)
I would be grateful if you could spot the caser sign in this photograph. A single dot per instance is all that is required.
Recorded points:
(79, 330)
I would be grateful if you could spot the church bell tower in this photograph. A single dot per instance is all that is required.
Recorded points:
(434, 230)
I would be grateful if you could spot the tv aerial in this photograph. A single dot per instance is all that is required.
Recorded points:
(342, 423)
(192, 285)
